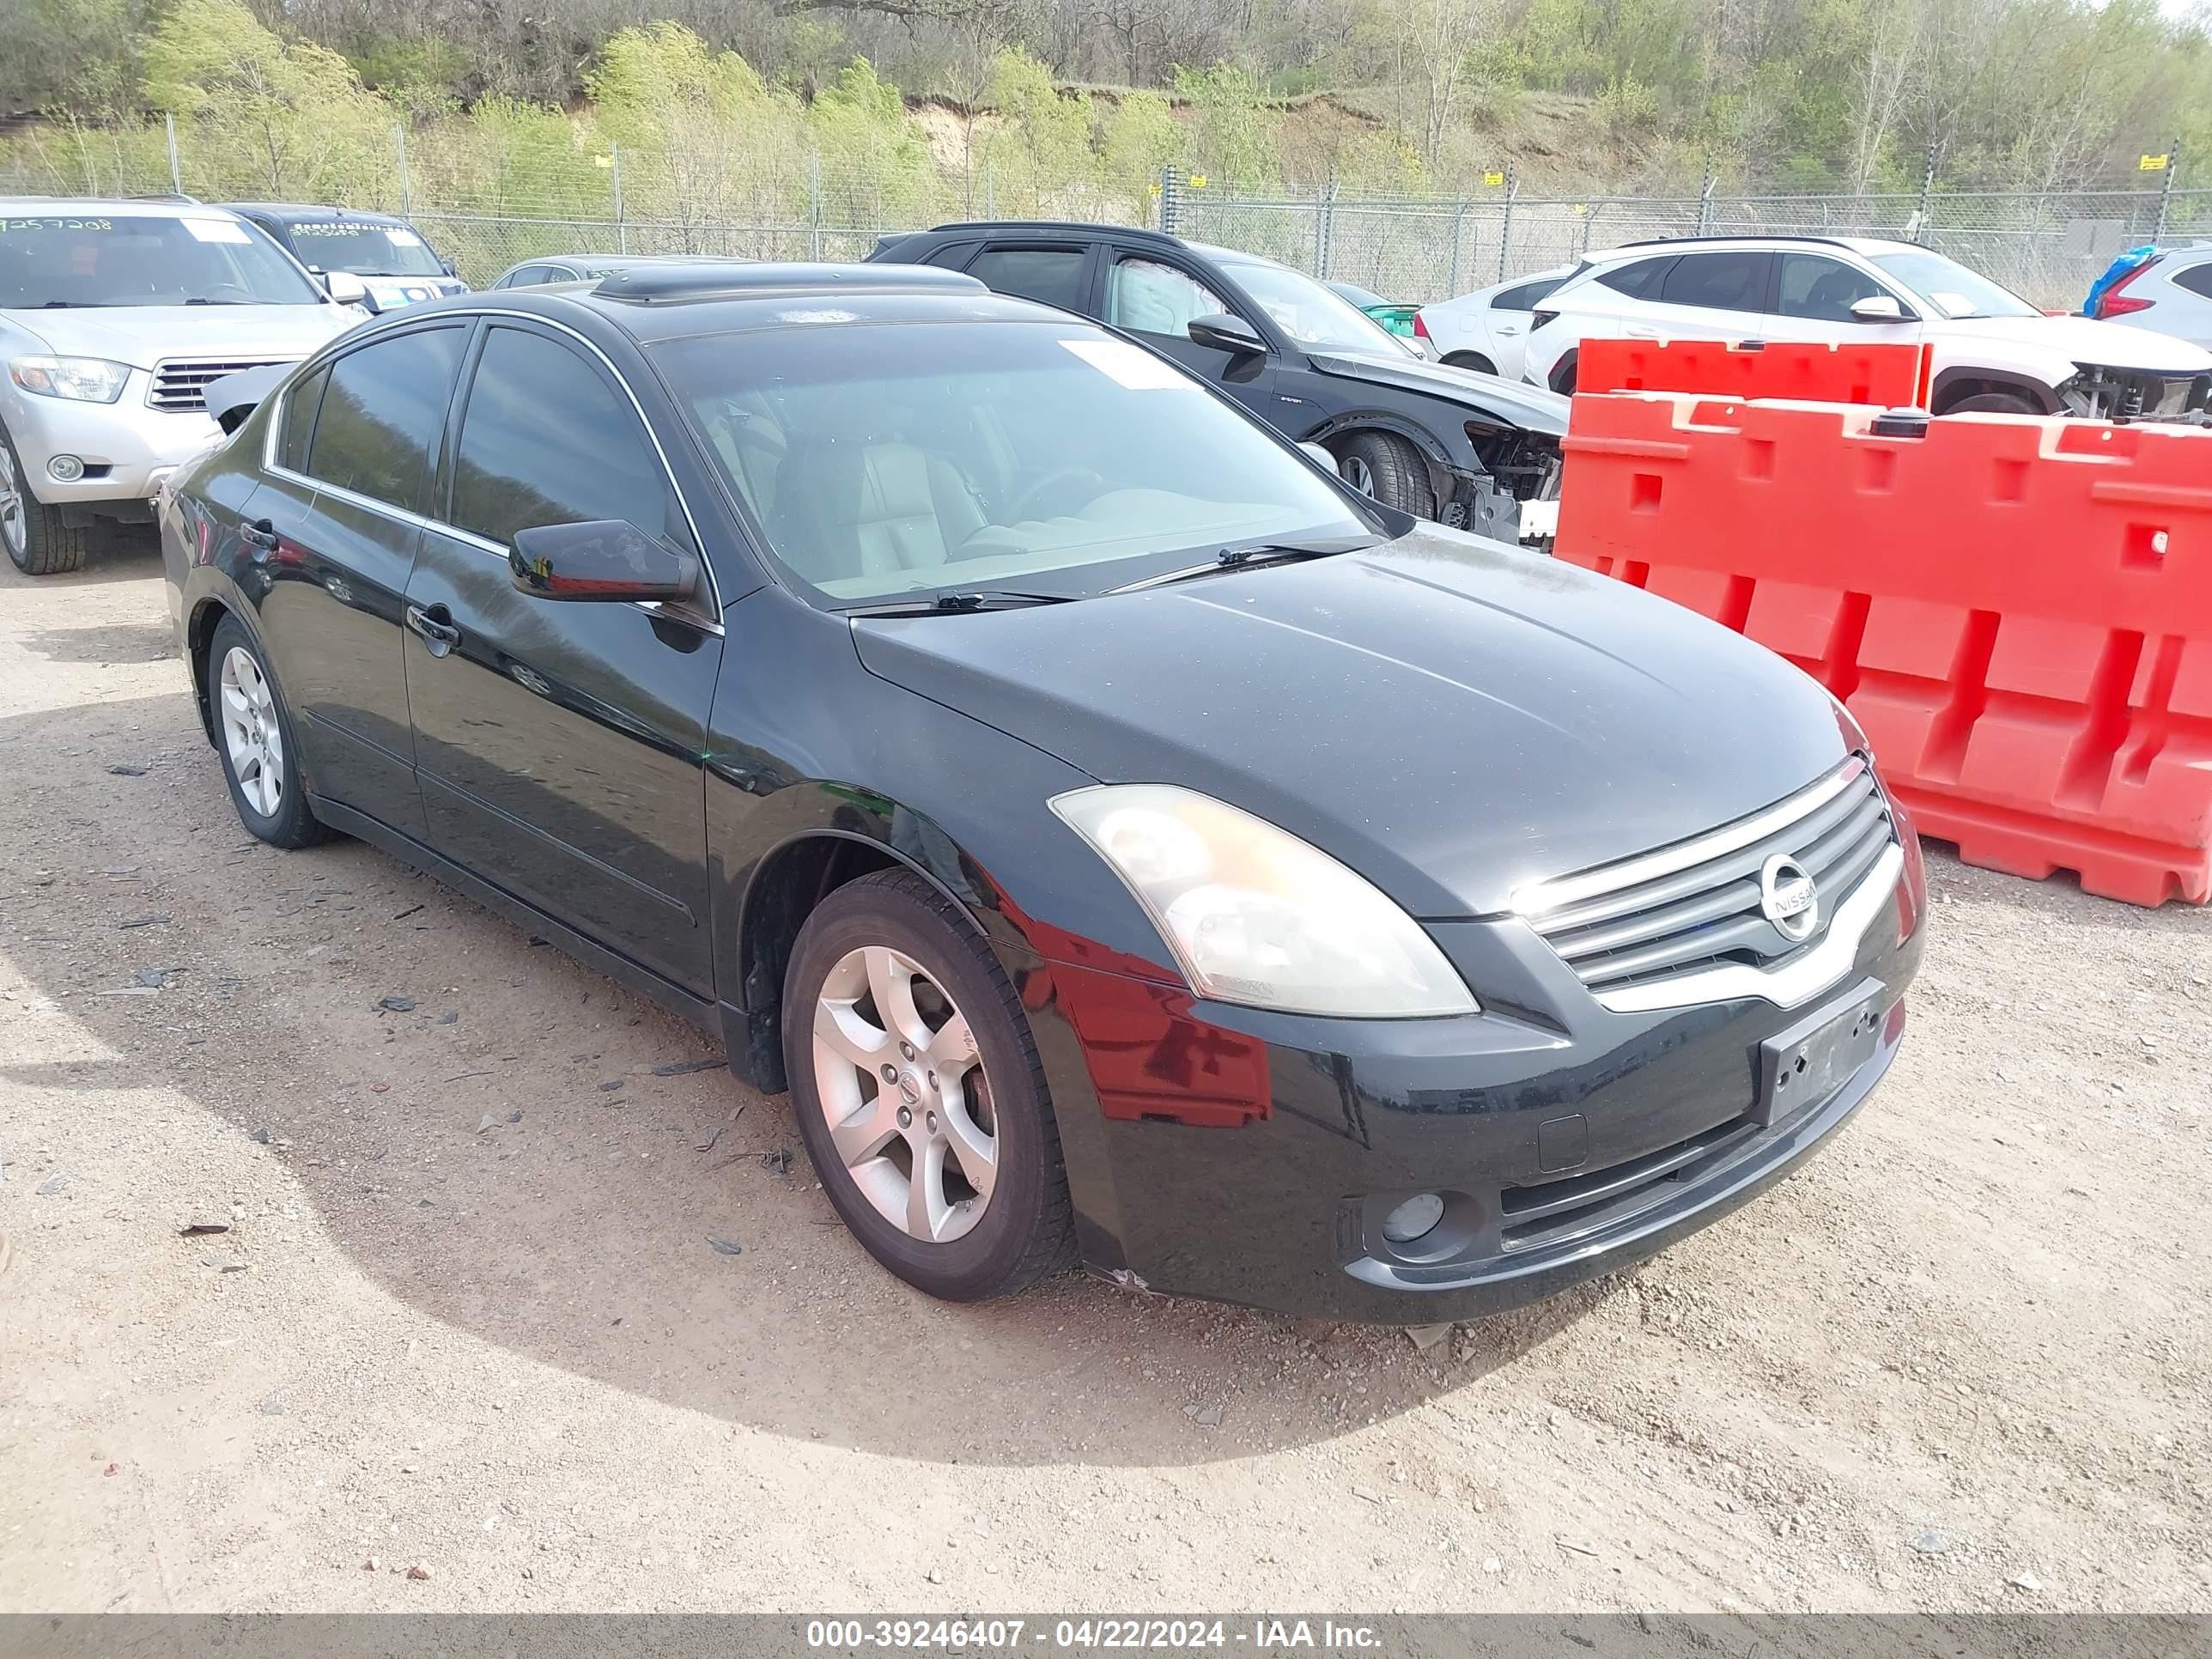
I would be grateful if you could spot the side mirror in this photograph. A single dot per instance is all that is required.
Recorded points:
(345, 288)
(600, 559)
(1320, 457)
(1878, 308)
(1227, 333)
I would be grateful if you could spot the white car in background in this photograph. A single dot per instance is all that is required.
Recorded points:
(114, 316)
(1992, 351)
(1487, 330)
(2169, 293)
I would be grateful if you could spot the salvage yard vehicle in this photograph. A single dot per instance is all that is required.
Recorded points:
(1487, 330)
(1466, 450)
(398, 267)
(113, 316)
(1123, 839)
(1397, 320)
(550, 268)
(1992, 351)
(2167, 290)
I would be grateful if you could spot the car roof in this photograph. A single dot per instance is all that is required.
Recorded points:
(603, 262)
(307, 213)
(50, 207)
(1659, 247)
(669, 299)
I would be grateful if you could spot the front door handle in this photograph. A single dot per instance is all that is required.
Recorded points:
(262, 534)
(436, 625)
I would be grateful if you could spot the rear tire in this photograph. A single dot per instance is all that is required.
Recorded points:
(1994, 403)
(39, 544)
(253, 737)
(966, 1206)
(1474, 360)
(1385, 467)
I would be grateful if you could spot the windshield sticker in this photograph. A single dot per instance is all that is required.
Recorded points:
(216, 230)
(7, 225)
(1131, 366)
(400, 236)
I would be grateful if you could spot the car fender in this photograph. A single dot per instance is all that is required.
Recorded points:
(1383, 420)
(1998, 359)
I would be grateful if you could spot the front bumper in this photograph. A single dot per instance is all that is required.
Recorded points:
(128, 447)
(1249, 1158)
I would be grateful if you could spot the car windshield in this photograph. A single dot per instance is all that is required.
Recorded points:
(1951, 288)
(889, 461)
(1306, 311)
(144, 259)
(365, 249)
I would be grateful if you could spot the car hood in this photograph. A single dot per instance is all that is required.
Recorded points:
(1530, 408)
(1450, 717)
(2079, 340)
(143, 335)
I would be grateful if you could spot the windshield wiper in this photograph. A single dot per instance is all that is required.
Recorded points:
(74, 305)
(221, 302)
(1243, 557)
(950, 604)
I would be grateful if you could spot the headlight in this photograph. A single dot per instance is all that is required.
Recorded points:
(81, 379)
(1254, 915)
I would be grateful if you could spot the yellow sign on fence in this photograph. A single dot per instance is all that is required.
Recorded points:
(1495, 176)
(2152, 164)
(1198, 181)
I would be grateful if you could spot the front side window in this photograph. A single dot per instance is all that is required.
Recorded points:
(1717, 282)
(974, 454)
(546, 440)
(1308, 312)
(364, 248)
(382, 415)
(1153, 298)
(1052, 276)
(1822, 289)
(301, 403)
(138, 258)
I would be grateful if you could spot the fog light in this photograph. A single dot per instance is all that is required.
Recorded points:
(1415, 1217)
(65, 469)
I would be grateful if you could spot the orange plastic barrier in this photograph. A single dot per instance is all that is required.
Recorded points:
(1894, 376)
(2018, 610)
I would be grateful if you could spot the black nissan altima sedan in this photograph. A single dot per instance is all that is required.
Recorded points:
(1124, 841)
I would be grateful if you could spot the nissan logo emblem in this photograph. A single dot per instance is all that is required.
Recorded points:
(1788, 898)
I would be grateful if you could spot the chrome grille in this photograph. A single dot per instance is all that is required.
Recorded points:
(181, 388)
(1657, 916)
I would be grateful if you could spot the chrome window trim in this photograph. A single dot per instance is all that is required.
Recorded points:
(1790, 982)
(710, 619)
(1541, 898)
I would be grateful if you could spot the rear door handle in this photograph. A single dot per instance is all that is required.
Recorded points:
(262, 534)
(436, 626)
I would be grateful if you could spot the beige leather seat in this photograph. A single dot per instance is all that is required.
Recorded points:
(847, 508)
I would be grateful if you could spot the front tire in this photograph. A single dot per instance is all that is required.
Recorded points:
(1385, 467)
(920, 1094)
(1474, 360)
(39, 544)
(253, 736)
(1994, 403)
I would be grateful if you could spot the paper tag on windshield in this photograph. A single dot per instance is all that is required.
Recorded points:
(401, 237)
(1131, 366)
(217, 230)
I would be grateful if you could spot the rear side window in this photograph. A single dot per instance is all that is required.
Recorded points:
(2197, 278)
(1717, 282)
(1052, 275)
(300, 404)
(1528, 295)
(1641, 280)
(546, 440)
(528, 276)
(383, 413)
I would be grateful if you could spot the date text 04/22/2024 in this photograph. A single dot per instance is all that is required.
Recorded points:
(1095, 1634)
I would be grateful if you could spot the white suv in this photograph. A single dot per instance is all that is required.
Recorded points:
(1992, 349)
(2169, 293)
(113, 316)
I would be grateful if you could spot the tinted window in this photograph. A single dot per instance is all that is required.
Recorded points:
(1525, 297)
(382, 416)
(547, 440)
(2197, 279)
(1158, 299)
(1053, 275)
(1821, 288)
(1639, 281)
(300, 406)
(1717, 281)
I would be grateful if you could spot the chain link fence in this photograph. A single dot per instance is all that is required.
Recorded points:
(488, 212)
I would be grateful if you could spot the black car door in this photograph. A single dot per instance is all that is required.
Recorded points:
(336, 524)
(560, 743)
(1155, 295)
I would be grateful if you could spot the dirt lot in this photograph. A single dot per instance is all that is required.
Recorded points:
(466, 1316)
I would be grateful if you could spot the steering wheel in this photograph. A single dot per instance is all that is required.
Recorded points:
(1059, 477)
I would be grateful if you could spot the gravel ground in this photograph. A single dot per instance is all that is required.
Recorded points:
(466, 1344)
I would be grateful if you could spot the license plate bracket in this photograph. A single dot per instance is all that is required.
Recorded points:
(1809, 1060)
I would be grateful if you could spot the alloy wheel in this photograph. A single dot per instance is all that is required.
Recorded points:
(1355, 471)
(14, 525)
(251, 735)
(904, 1093)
